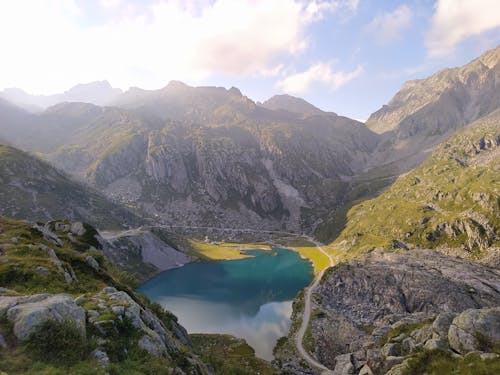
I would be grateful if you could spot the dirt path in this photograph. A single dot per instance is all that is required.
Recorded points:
(306, 316)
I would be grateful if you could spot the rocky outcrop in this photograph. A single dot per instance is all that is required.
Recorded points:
(142, 252)
(475, 330)
(29, 313)
(110, 307)
(104, 317)
(382, 310)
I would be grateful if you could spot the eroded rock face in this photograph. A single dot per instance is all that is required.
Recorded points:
(475, 330)
(376, 312)
(156, 339)
(29, 313)
(359, 293)
(101, 317)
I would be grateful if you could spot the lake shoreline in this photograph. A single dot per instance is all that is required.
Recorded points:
(249, 298)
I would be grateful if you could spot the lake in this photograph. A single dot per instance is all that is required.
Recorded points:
(249, 298)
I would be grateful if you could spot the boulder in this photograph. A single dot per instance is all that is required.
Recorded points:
(442, 323)
(343, 365)
(408, 345)
(475, 329)
(153, 344)
(365, 370)
(78, 229)
(30, 313)
(390, 350)
(92, 263)
(435, 344)
(101, 357)
(3, 342)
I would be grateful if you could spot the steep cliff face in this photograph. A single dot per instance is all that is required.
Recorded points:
(207, 156)
(141, 253)
(32, 189)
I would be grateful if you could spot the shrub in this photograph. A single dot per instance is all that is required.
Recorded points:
(57, 342)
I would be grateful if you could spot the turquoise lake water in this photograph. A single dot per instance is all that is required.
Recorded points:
(249, 298)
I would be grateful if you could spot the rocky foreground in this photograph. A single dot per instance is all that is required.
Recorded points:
(65, 308)
(396, 313)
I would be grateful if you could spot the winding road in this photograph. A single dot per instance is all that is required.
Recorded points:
(306, 316)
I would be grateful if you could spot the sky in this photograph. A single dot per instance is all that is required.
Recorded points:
(345, 56)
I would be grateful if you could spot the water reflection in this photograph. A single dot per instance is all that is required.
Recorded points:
(248, 298)
(261, 331)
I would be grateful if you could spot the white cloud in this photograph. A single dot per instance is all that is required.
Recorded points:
(321, 73)
(49, 45)
(110, 3)
(456, 20)
(389, 26)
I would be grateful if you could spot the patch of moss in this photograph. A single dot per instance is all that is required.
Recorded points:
(442, 362)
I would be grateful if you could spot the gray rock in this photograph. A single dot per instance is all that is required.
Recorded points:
(365, 370)
(442, 323)
(423, 334)
(78, 229)
(101, 357)
(105, 327)
(380, 332)
(29, 313)
(118, 310)
(5, 291)
(408, 345)
(48, 234)
(400, 337)
(489, 356)
(390, 350)
(3, 342)
(6, 302)
(42, 271)
(399, 369)
(109, 289)
(435, 344)
(475, 329)
(152, 344)
(92, 315)
(391, 361)
(343, 365)
(61, 227)
(80, 300)
(92, 263)
(374, 359)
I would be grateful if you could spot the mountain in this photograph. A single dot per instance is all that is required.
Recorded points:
(292, 104)
(32, 189)
(427, 111)
(450, 202)
(99, 93)
(205, 156)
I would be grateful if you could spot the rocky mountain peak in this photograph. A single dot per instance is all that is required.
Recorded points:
(491, 57)
(291, 104)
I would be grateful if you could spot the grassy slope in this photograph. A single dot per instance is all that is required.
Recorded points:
(457, 187)
(32, 189)
(21, 253)
(229, 355)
